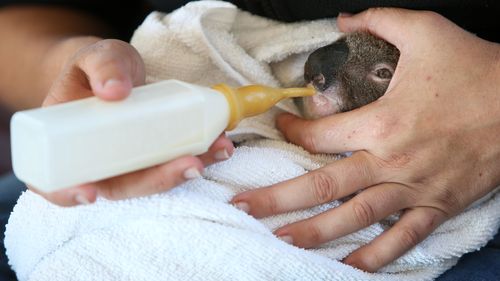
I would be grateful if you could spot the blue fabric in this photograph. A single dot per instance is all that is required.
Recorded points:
(483, 265)
(10, 189)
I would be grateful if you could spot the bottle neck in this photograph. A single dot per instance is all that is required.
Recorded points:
(253, 100)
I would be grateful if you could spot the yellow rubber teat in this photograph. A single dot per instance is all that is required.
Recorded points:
(252, 100)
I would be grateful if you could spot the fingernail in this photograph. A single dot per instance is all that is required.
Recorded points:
(82, 200)
(242, 206)
(112, 83)
(192, 173)
(344, 15)
(221, 154)
(286, 238)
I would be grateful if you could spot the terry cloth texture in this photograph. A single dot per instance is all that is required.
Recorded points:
(191, 232)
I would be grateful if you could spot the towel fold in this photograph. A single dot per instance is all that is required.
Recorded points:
(191, 232)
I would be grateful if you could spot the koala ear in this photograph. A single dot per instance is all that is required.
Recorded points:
(381, 73)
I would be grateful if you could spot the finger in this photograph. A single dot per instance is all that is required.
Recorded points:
(151, 180)
(414, 226)
(348, 131)
(220, 150)
(334, 181)
(113, 67)
(107, 69)
(385, 23)
(366, 208)
(71, 85)
(84, 194)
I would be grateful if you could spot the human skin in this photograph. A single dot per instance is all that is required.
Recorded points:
(429, 147)
(56, 55)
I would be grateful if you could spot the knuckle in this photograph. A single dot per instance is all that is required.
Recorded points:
(165, 179)
(373, 15)
(54, 198)
(395, 160)
(107, 63)
(432, 220)
(408, 237)
(110, 44)
(170, 174)
(370, 13)
(447, 201)
(308, 141)
(400, 159)
(271, 202)
(113, 189)
(364, 164)
(324, 187)
(363, 212)
(314, 234)
(105, 55)
(373, 12)
(110, 193)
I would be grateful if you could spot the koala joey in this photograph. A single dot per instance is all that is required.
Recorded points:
(349, 73)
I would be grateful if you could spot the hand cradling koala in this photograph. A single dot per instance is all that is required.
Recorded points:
(349, 73)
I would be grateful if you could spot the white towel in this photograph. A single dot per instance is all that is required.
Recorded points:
(191, 232)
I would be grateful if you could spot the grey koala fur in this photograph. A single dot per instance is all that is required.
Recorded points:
(349, 73)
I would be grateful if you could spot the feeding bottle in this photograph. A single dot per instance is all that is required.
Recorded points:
(88, 140)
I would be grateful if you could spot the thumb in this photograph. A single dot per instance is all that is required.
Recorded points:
(347, 131)
(390, 24)
(112, 68)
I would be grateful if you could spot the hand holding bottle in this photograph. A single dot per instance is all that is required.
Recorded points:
(109, 69)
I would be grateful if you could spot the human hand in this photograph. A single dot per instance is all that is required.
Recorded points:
(429, 147)
(109, 69)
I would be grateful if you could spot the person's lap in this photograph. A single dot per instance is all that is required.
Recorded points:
(10, 189)
(482, 265)
(476, 266)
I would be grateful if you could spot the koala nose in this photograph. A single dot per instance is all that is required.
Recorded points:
(318, 81)
(323, 65)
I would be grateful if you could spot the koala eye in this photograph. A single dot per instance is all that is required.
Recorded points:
(383, 73)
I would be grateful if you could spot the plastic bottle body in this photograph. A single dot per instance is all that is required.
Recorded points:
(90, 139)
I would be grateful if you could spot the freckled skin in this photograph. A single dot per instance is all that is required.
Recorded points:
(349, 73)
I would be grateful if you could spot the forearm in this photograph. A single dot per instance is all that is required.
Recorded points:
(37, 41)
